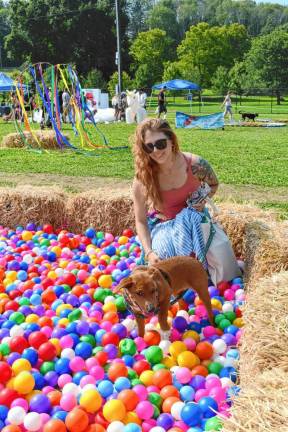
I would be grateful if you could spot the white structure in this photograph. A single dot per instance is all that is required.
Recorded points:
(134, 112)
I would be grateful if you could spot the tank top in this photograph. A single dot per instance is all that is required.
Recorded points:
(174, 200)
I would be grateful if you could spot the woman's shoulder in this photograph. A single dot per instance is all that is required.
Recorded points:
(193, 158)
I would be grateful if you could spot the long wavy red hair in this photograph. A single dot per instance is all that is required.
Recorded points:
(146, 170)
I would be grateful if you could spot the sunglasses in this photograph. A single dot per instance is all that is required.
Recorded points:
(160, 144)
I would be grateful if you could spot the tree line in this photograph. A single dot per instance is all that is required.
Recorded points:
(218, 44)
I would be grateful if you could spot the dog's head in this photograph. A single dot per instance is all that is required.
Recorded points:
(256, 115)
(142, 289)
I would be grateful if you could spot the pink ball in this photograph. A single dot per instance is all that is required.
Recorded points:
(148, 424)
(66, 342)
(181, 425)
(200, 311)
(109, 237)
(209, 331)
(106, 325)
(97, 372)
(229, 294)
(91, 362)
(44, 417)
(235, 287)
(96, 314)
(144, 410)
(175, 335)
(194, 318)
(201, 393)
(183, 375)
(68, 402)
(153, 389)
(47, 389)
(212, 382)
(219, 394)
(140, 343)
(64, 379)
(88, 379)
(190, 344)
(141, 391)
(19, 402)
(47, 330)
(82, 275)
(77, 364)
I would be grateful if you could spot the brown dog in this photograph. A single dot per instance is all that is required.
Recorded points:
(149, 288)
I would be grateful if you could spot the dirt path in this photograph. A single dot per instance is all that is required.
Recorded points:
(71, 184)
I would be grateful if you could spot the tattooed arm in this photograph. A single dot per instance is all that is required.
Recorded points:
(204, 172)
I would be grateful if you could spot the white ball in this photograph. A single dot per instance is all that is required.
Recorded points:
(88, 387)
(37, 250)
(176, 410)
(239, 293)
(32, 422)
(59, 272)
(149, 326)
(6, 340)
(211, 376)
(116, 426)
(68, 353)
(109, 299)
(230, 362)
(71, 388)
(157, 429)
(219, 359)
(129, 324)
(219, 346)
(227, 307)
(183, 314)
(226, 382)
(16, 415)
(164, 345)
(28, 259)
(17, 331)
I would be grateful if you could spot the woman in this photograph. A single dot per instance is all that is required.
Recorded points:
(164, 179)
(228, 105)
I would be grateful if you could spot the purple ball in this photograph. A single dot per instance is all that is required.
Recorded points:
(51, 378)
(198, 382)
(213, 291)
(180, 324)
(40, 404)
(229, 339)
(82, 328)
(165, 421)
(13, 357)
(120, 330)
(111, 350)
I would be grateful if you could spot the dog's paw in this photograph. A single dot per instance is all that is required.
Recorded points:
(165, 334)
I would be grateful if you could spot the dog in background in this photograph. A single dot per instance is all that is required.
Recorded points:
(250, 116)
(149, 288)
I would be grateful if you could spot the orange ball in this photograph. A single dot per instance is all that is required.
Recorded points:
(162, 378)
(54, 397)
(111, 317)
(199, 370)
(167, 404)
(117, 370)
(169, 391)
(152, 337)
(95, 428)
(11, 428)
(77, 420)
(54, 425)
(129, 398)
(204, 350)
(175, 429)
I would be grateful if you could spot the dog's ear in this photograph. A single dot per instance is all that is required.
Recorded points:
(126, 283)
(140, 267)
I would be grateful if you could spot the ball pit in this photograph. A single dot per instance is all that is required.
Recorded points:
(71, 358)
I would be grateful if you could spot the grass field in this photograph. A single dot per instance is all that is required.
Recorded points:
(239, 155)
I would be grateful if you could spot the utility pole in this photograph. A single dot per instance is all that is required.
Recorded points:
(118, 54)
(0, 56)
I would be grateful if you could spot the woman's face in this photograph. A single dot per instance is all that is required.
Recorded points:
(159, 156)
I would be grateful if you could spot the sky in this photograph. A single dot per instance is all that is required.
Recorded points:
(281, 2)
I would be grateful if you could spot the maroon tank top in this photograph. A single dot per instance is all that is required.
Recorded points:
(174, 200)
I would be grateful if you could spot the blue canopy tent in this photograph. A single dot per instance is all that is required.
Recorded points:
(178, 84)
(7, 83)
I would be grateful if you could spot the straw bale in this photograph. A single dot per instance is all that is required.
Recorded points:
(46, 138)
(111, 212)
(32, 204)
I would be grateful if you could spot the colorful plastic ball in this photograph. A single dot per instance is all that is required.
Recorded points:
(16, 415)
(187, 393)
(152, 337)
(191, 414)
(90, 400)
(117, 370)
(5, 372)
(154, 354)
(129, 398)
(114, 410)
(77, 420)
(54, 425)
(32, 421)
(24, 382)
(204, 350)
(208, 406)
(144, 410)
(165, 421)
(11, 428)
(183, 375)
(213, 424)
(40, 403)
(187, 359)
(162, 378)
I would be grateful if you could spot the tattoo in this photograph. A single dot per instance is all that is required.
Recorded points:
(203, 171)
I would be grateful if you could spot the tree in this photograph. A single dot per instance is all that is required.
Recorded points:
(66, 31)
(94, 79)
(239, 79)
(267, 61)
(220, 80)
(127, 83)
(204, 48)
(137, 11)
(163, 16)
(4, 31)
(150, 50)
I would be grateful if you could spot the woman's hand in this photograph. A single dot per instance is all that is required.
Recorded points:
(199, 206)
(153, 258)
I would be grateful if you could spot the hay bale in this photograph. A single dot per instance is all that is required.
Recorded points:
(263, 400)
(111, 213)
(32, 204)
(47, 140)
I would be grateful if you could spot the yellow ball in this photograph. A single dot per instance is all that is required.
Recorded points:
(57, 250)
(63, 322)
(169, 362)
(27, 235)
(21, 365)
(10, 383)
(188, 359)
(63, 264)
(176, 348)
(105, 258)
(12, 275)
(147, 377)
(238, 322)
(91, 401)
(3, 295)
(52, 275)
(63, 307)
(123, 240)
(105, 281)
(24, 382)
(109, 307)
(114, 410)
(57, 345)
(216, 304)
(91, 279)
(191, 334)
(131, 417)
(32, 318)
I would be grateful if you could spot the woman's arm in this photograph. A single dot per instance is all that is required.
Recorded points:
(140, 210)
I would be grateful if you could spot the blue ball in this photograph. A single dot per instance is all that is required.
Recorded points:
(61, 415)
(189, 296)
(3, 412)
(233, 353)
(40, 381)
(132, 427)
(105, 388)
(191, 414)
(78, 376)
(90, 233)
(31, 355)
(62, 366)
(122, 383)
(229, 372)
(187, 393)
(22, 275)
(207, 404)
(180, 324)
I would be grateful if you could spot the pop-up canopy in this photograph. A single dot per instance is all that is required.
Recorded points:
(7, 83)
(177, 84)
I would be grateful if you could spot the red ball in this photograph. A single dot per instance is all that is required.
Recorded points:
(110, 338)
(18, 344)
(204, 350)
(47, 351)
(11, 305)
(128, 233)
(140, 366)
(69, 279)
(5, 372)
(222, 286)
(37, 338)
(48, 229)
(102, 357)
(7, 396)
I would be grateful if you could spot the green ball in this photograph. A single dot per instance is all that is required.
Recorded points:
(155, 399)
(45, 242)
(191, 311)
(132, 374)
(100, 235)
(97, 349)
(24, 301)
(115, 258)
(159, 366)
(215, 368)
(99, 295)
(74, 315)
(218, 318)
(67, 288)
(154, 354)
(4, 349)
(47, 366)
(230, 316)
(124, 253)
(156, 412)
(127, 346)
(120, 304)
(89, 339)
(135, 382)
(213, 424)
(224, 324)
(17, 317)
